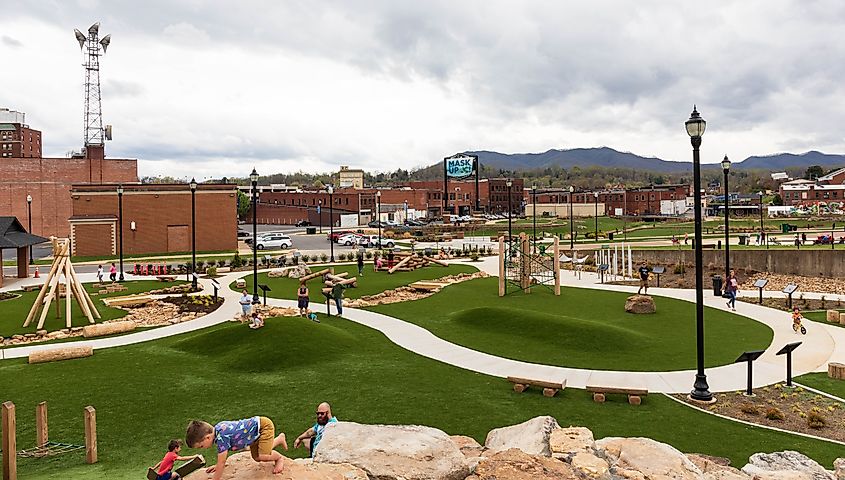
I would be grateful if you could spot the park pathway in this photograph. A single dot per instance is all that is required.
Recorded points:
(822, 344)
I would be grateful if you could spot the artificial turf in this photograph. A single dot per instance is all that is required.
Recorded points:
(820, 381)
(821, 317)
(369, 284)
(13, 311)
(583, 328)
(146, 393)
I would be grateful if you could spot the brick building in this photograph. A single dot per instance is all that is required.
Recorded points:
(48, 180)
(16, 138)
(156, 218)
(826, 189)
(643, 201)
(288, 208)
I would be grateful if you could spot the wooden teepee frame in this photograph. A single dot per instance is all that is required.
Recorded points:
(61, 272)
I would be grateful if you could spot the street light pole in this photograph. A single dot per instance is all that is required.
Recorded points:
(571, 226)
(695, 129)
(762, 229)
(120, 227)
(596, 195)
(29, 216)
(320, 211)
(534, 215)
(194, 233)
(726, 168)
(253, 177)
(378, 215)
(406, 212)
(331, 222)
(509, 183)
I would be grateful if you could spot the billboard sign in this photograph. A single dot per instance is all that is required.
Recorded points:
(460, 166)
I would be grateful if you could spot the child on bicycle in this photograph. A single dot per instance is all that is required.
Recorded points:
(796, 321)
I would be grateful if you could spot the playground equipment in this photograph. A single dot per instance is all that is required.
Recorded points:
(520, 267)
(61, 281)
(43, 446)
(407, 261)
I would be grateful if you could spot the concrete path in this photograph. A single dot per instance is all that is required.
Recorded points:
(822, 344)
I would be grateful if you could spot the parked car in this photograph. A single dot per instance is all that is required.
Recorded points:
(273, 240)
(242, 234)
(372, 241)
(337, 234)
(350, 239)
(303, 223)
(376, 223)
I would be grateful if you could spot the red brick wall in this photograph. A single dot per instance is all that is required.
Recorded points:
(48, 180)
(155, 209)
(93, 240)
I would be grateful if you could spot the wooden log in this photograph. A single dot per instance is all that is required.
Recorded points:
(635, 399)
(502, 272)
(42, 293)
(434, 260)
(398, 265)
(549, 392)
(520, 387)
(842, 318)
(128, 301)
(833, 316)
(836, 370)
(539, 383)
(56, 354)
(627, 391)
(90, 416)
(314, 275)
(111, 328)
(349, 281)
(41, 430)
(9, 442)
(598, 397)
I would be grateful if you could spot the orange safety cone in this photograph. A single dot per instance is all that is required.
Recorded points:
(37, 275)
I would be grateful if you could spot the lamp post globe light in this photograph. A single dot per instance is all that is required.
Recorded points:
(726, 168)
(509, 183)
(193, 185)
(534, 214)
(596, 196)
(120, 228)
(29, 216)
(695, 129)
(253, 178)
(571, 226)
(331, 222)
(378, 216)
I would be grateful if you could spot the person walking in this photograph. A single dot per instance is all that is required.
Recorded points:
(113, 273)
(731, 288)
(644, 272)
(99, 274)
(360, 262)
(302, 299)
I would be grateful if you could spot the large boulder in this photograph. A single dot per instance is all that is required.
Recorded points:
(638, 458)
(787, 464)
(640, 304)
(241, 466)
(467, 445)
(716, 468)
(532, 436)
(839, 467)
(833, 316)
(566, 442)
(514, 464)
(389, 452)
(590, 467)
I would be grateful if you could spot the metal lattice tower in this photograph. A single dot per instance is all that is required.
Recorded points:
(90, 45)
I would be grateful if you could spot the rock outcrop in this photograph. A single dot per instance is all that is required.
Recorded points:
(640, 304)
(783, 465)
(241, 466)
(646, 458)
(532, 436)
(393, 452)
(514, 464)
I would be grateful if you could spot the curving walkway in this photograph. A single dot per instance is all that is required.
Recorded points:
(822, 344)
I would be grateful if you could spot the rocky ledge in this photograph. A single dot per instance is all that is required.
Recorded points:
(538, 449)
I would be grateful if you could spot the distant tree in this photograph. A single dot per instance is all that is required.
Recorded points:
(813, 172)
(243, 204)
(776, 200)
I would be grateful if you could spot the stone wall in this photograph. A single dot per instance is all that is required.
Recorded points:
(811, 263)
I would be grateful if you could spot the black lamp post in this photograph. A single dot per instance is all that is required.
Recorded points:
(596, 195)
(29, 216)
(695, 129)
(320, 212)
(571, 226)
(762, 229)
(378, 215)
(120, 228)
(331, 222)
(194, 233)
(509, 183)
(253, 178)
(726, 168)
(534, 215)
(406, 212)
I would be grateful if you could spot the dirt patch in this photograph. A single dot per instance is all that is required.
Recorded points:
(200, 304)
(7, 296)
(789, 408)
(805, 304)
(404, 294)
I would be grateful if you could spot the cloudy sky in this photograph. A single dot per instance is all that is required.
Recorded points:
(213, 88)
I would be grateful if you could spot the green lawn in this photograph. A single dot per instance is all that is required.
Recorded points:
(145, 394)
(582, 328)
(820, 381)
(369, 284)
(13, 312)
(821, 317)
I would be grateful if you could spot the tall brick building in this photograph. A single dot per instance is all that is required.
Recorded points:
(48, 180)
(156, 218)
(16, 138)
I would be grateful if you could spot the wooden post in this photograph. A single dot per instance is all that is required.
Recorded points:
(9, 445)
(502, 272)
(41, 430)
(556, 265)
(90, 416)
(525, 263)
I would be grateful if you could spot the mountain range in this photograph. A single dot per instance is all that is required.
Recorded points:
(610, 158)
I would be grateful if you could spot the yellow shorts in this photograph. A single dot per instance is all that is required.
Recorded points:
(266, 435)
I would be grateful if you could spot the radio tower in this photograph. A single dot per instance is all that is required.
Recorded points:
(94, 133)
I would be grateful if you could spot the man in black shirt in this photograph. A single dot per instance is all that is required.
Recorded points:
(644, 272)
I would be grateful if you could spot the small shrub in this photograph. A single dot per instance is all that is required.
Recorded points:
(211, 271)
(306, 258)
(774, 413)
(324, 257)
(236, 261)
(816, 420)
(474, 257)
(342, 257)
(680, 269)
(750, 409)
(369, 255)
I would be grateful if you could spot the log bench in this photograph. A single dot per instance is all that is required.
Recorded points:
(634, 394)
(166, 278)
(30, 288)
(550, 389)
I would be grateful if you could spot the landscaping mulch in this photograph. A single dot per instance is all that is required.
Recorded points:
(805, 304)
(789, 408)
(203, 304)
(7, 296)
